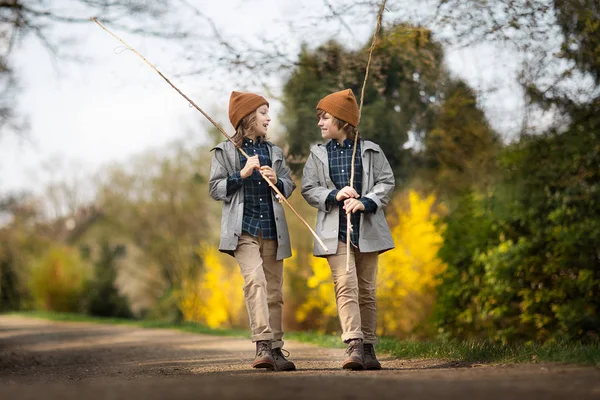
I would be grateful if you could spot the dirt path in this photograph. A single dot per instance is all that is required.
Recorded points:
(49, 360)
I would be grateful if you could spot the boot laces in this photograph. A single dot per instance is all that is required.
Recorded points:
(279, 353)
(263, 347)
(352, 346)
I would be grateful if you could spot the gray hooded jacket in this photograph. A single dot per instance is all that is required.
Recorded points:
(225, 162)
(377, 184)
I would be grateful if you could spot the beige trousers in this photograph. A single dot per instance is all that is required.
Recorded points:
(263, 284)
(355, 293)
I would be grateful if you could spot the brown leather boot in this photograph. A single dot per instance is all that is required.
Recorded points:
(354, 355)
(370, 358)
(281, 363)
(263, 358)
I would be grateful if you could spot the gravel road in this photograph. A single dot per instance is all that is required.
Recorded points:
(42, 359)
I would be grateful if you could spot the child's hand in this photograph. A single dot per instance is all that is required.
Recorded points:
(250, 166)
(269, 173)
(353, 205)
(346, 193)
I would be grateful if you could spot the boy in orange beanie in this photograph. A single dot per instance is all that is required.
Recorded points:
(253, 225)
(325, 185)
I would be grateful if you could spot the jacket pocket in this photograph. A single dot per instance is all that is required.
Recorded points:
(328, 224)
(374, 226)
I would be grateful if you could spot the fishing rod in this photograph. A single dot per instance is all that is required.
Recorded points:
(279, 195)
(362, 96)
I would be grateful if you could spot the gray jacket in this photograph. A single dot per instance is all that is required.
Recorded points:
(377, 184)
(225, 162)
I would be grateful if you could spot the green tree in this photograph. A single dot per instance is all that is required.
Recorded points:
(102, 295)
(522, 256)
(523, 261)
(400, 99)
(460, 151)
(470, 230)
(578, 20)
(58, 280)
(558, 39)
(22, 240)
(160, 206)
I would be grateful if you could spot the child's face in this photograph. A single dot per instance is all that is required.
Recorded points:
(262, 120)
(329, 129)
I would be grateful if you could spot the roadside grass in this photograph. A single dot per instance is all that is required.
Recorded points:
(456, 351)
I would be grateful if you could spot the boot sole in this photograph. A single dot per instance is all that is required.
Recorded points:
(263, 364)
(373, 367)
(353, 365)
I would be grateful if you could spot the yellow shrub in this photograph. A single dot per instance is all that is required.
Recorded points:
(320, 301)
(407, 275)
(216, 297)
(406, 278)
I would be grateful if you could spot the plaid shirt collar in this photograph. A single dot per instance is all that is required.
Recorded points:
(260, 141)
(335, 145)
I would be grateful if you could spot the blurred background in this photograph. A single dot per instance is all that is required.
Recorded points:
(488, 111)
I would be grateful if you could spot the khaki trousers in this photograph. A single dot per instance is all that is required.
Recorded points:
(355, 293)
(263, 284)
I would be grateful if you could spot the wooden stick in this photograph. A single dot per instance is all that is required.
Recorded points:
(362, 96)
(280, 195)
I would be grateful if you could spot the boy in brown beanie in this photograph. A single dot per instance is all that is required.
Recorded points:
(325, 185)
(253, 225)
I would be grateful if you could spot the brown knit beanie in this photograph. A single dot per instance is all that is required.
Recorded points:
(242, 104)
(341, 105)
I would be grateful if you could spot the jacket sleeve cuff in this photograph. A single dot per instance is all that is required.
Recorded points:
(280, 186)
(234, 183)
(370, 205)
(331, 200)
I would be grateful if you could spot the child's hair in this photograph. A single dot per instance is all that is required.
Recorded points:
(350, 130)
(245, 128)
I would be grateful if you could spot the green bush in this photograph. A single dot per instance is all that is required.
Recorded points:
(102, 295)
(470, 230)
(57, 280)
(523, 262)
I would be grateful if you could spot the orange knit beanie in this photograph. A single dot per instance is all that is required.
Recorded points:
(242, 104)
(341, 105)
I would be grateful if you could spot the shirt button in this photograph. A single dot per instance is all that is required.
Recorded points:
(261, 215)
(342, 170)
(260, 199)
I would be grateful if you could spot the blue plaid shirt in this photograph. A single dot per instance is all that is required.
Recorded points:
(340, 157)
(258, 206)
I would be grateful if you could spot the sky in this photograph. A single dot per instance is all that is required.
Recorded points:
(85, 116)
